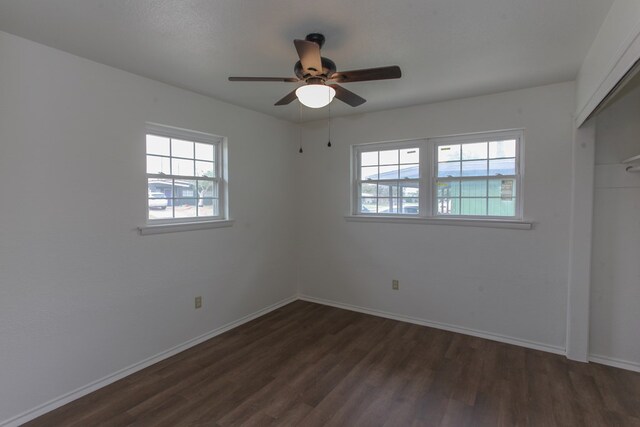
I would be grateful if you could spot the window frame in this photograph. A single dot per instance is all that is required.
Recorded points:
(428, 176)
(218, 143)
(517, 135)
(381, 146)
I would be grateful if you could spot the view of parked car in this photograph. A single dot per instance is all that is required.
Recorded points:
(157, 201)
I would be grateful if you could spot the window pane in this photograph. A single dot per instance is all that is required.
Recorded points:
(157, 145)
(395, 206)
(205, 169)
(369, 158)
(207, 189)
(448, 189)
(163, 186)
(410, 155)
(474, 168)
(216, 207)
(502, 148)
(409, 206)
(185, 208)
(384, 205)
(388, 206)
(503, 188)
(369, 205)
(502, 167)
(449, 169)
(185, 189)
(389, 157)
(477, 150)
(207, 207)
(369, 172)
(182, 167)
(409, 171)
(158, 204)
(181, 148)
(368, 190)
(447, 206)
(448, 152)
(410, 189)
(388, 172)
(388, 190)
(474, 188)
(204, 151)
(501, 207)
(473, 206)
(159, 210)
(157, 165)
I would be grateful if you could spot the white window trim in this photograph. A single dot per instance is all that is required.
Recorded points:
(465, 222)
(169, 225)
(376, 146)
(184, 226)
(427, 179)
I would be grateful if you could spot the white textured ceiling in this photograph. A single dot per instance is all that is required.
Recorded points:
(446, 48)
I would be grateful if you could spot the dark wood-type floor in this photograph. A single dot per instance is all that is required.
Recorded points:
(310, 365)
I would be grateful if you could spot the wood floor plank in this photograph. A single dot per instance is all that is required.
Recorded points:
(294, 416)
(306, 364)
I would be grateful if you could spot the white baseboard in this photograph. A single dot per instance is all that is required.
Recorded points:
(437, 325)
(102, 382)
(616, 363)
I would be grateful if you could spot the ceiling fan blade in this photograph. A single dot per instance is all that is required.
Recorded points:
(264, 79)
(309, 53)
(347, 96)
(288, 99)
(380, 73)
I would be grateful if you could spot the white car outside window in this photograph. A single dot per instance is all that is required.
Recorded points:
(157, 200)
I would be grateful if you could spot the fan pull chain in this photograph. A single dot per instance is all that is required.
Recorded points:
(329, 123)
(300, 126)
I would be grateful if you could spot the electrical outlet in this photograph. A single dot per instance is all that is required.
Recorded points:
(395, 285)
(198, 302)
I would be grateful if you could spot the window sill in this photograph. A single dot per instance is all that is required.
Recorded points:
(183, 226)
(463, 222)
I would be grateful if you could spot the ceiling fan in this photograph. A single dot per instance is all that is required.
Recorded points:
(320, 77)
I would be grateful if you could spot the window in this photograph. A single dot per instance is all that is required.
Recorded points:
(470, 176)
(477, 176)
(388, 180)
(184, 175)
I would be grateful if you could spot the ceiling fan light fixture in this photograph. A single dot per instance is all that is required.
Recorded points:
(315, 71)
(315, 95)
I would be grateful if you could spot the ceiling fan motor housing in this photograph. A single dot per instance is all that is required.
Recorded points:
(328, 68)
(317, 38)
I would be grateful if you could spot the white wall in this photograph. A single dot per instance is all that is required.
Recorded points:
(511, 283)
(615, 287)
(613, 52)
(82, 294)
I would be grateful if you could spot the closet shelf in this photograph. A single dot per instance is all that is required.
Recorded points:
(634, 159)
